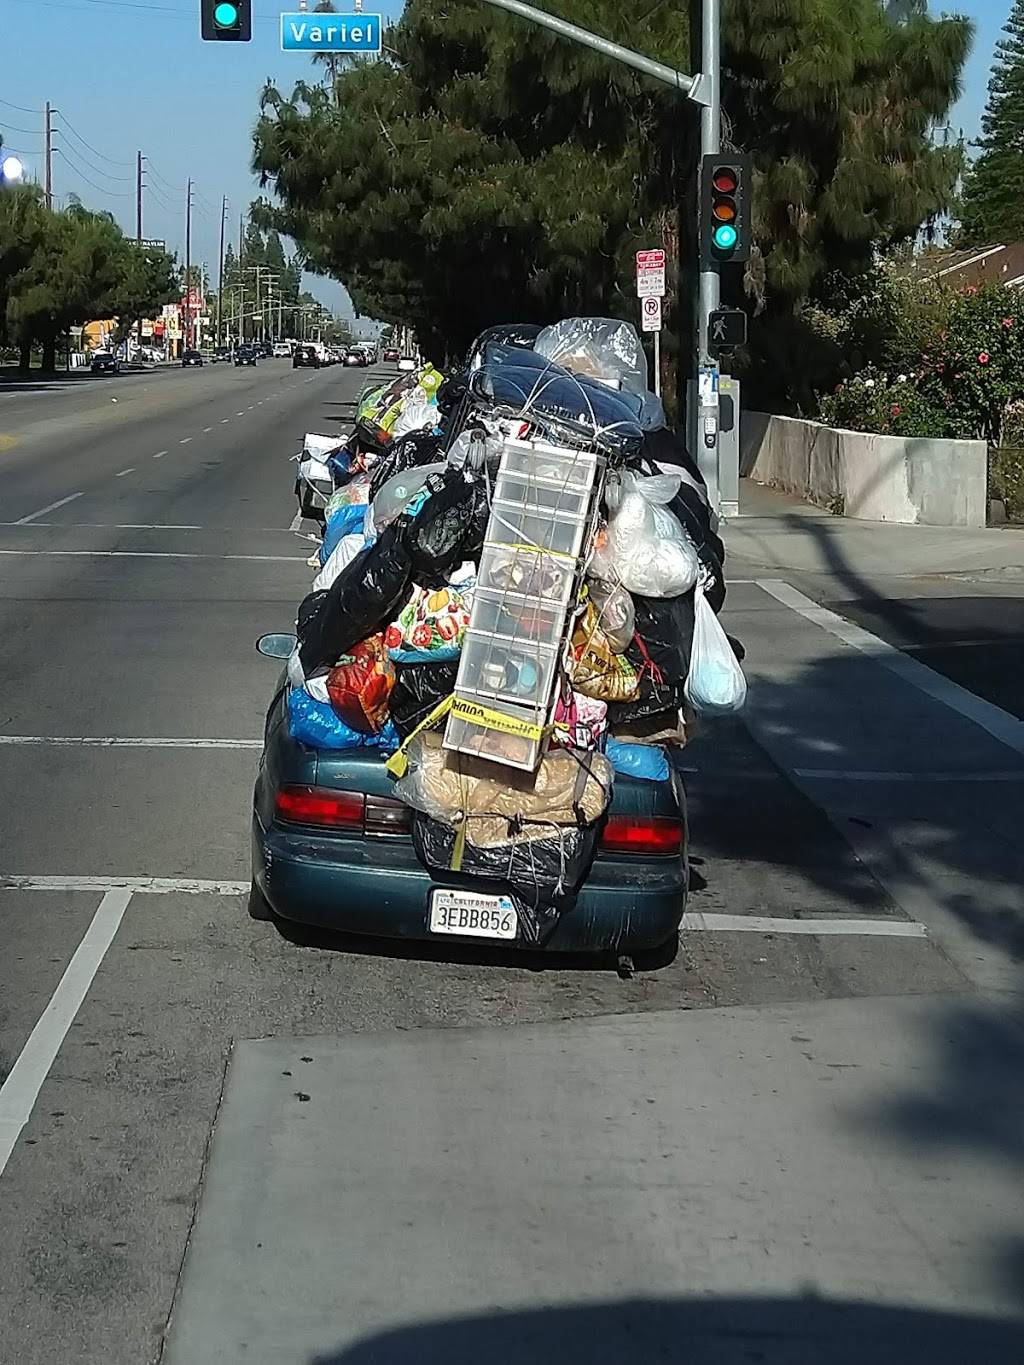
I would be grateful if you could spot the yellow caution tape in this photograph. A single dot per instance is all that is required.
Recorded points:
(530, 549)
(495, 720)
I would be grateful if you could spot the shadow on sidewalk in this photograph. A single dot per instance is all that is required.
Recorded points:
(726, 1331)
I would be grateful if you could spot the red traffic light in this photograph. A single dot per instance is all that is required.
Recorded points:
(724, 180)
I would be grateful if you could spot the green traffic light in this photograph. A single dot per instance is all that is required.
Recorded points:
(225, 15)
(725, 237)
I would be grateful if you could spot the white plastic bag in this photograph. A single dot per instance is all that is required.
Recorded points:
(715, 685)
(646, 548)
(419, 411)
(340, 557)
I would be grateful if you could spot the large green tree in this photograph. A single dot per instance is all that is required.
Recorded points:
(488, 169)
(992, 207)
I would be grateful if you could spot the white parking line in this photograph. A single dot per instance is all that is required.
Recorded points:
(184, 440)
(127, 742)
(149, 886)
(50, 507)
(224, 421)
(846, 775)
(124, 472)
(19, 1092)
(159, 454)
(151, 554)
(1000, 724)
(206, 429)
(764, 924)
(239, 414)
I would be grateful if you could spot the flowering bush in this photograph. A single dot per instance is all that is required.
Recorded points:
(963, 382)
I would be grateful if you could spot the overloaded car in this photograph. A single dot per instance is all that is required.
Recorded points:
(104, 362)
(305, 356)
(475, 739)
(246, 355)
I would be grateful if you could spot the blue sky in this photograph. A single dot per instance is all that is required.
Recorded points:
(130, 75)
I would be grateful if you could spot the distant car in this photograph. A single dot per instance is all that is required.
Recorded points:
(191, 358)
(390, 356)
(282, 350)
(407, 364)
(265, 348)
(105, 362)
(246, 355)
(222, 353)
(354, 357)
(307, 356)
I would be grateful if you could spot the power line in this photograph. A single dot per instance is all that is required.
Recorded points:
(12, 128)
(172, 189)
(21, 108)
(98, 170)
(111, 194)
(70, 127)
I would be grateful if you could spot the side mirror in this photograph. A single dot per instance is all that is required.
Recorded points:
(276, 646)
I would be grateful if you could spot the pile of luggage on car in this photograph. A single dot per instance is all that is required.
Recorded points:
(516, 600)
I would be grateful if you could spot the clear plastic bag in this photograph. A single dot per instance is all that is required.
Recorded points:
(715, 685)
(616, 614)
(340, 558)
(419, 413)
(644, 547)
(392, 499)
(601, 348)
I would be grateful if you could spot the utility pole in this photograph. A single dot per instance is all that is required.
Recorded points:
(139, 159)
(241, 279)
(188, 264)
(48, 160)
(220, 273)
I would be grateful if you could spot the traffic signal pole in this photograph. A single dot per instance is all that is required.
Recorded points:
(704, 90)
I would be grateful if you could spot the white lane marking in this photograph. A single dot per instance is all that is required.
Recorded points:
(239, 414)
(1000, 724)
(150, 886)
(152, 554)
(849, 775)
(127, 742)
(19, 1092)
(206, 429)
(159, 454)
(124, 472)
(765, 924)
(50, 507)
(224, 421)
(296, 522)
(184, 440)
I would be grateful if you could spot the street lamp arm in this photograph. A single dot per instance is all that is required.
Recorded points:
(693, 87)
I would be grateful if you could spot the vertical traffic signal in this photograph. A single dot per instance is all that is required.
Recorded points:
(226, 21)
(725, 187)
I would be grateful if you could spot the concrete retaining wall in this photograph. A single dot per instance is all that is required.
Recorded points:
(872, 478)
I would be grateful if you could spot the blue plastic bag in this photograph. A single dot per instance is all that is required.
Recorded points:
(315, 723)
(446, 655)
(345, 522)
(646, 761)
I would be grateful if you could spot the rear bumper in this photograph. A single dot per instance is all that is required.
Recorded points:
(379, 888)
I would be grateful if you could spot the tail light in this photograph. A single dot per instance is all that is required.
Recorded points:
(352, 811)
(657, 836)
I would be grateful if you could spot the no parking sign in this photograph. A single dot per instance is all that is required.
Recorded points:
(650, 309)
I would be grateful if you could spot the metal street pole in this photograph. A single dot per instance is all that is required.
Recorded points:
(220, 271)
(48, 156)
(709, 291)
(188, 263)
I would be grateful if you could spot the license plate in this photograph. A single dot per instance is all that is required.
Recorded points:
(468, 915)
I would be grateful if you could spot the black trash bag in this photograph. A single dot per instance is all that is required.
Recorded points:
(665, 627)
(365, 597)
(309, 607)
(544, 875)
(418, 689)
(448, 527)
(654, 698)
(408, 452)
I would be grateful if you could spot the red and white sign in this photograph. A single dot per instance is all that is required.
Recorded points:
(650, 274)
(650, 309)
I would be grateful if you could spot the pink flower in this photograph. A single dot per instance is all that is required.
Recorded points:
(896, 409)
(971, 289)
(1008, 323)
(983, 358)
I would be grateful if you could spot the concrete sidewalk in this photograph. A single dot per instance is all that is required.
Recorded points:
(778, 533)
(832, 1182)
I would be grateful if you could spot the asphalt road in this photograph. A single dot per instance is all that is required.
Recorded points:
(145, 544)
